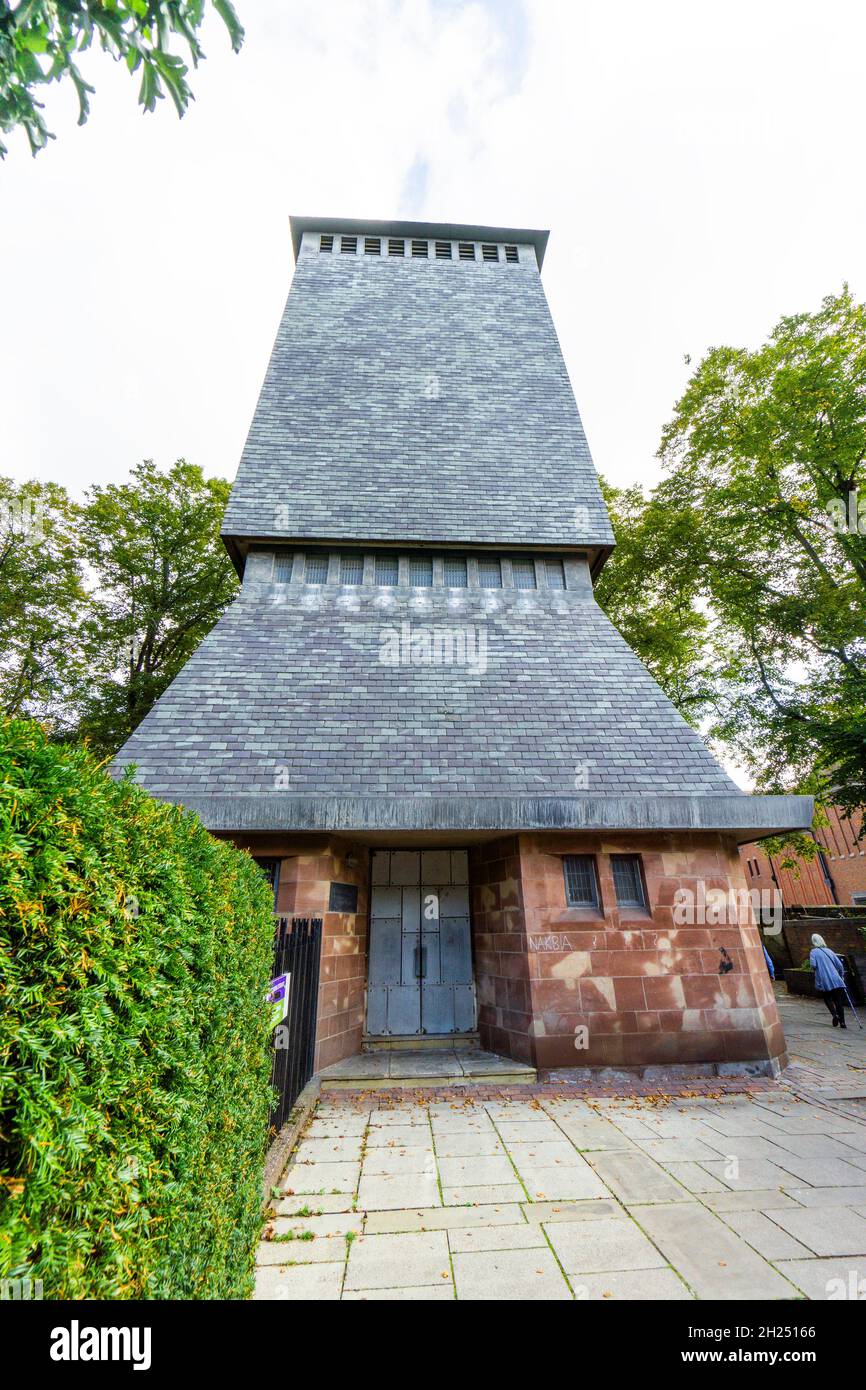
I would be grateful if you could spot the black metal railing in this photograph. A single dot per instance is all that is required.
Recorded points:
(297, 952)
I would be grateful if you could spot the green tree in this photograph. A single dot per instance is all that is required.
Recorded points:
(40, 41)
(766, 459)
(660, 621)
(42, 600)
(162, 578)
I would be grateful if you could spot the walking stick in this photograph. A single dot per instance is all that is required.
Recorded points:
(851, 1006)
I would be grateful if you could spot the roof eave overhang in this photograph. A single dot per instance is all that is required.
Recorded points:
(444, 231)
(746, 818)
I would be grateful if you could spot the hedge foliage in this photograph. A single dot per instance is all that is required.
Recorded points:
(134, 1076)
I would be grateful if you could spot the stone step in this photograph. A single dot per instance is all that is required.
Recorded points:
(429, 1042)
(402, 1068)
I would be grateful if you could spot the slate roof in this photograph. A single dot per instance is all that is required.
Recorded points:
(289, 700)
(417, 399)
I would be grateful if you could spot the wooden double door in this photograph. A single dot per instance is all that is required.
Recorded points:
(420, 978)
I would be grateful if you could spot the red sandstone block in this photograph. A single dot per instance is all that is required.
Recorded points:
(745, 1046)
(664, 992)
(629, 992)
(597, 995)
(634, 963)
(701, 991)
(647, 1021)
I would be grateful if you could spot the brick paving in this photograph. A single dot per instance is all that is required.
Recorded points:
(703, 1188)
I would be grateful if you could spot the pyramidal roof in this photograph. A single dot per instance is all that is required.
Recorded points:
(416, 645)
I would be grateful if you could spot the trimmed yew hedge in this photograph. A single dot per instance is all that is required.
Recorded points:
(135, 950)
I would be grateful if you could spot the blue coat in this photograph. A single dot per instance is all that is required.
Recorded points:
(828, 968)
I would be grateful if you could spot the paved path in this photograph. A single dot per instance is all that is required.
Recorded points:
(533, 1195)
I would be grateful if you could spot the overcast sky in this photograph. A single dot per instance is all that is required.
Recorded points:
(700, 168)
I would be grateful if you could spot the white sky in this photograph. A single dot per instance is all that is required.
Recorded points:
(700, 168)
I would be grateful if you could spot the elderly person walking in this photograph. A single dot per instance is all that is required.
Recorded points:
(829, 979)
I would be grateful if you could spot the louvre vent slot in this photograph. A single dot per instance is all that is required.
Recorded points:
(466, 250)
(511, 255)
(372, 245)
(419, 248)
(524, 573)
(349, 245)
(351, 569)
(421, 572)
(396, 246)
(316, 571)
(490, 253)
(284, 561)
(455, 572)
(326, 243)
(490, 574)
(555, 574)
(387, 570)
(443, 250)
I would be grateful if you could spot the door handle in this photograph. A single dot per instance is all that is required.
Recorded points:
(420, 962)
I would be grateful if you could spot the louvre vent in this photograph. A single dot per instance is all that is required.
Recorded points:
(396, 246)
(326, 243)
(490, 574)
(316, 571)
(443, 250)
(421, 572)
(284, 561)
(455, 572)
(419, 248)
(387, 570)
(349, 245)
(466, 250)
(351, 569)
(555, 574)
(372, 245)
(511, 255)
(490, 252)
(524, 574)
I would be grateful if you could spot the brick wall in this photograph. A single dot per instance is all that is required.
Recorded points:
(647, 991)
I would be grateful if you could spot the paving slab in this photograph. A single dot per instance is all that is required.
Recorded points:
(820, 1146)
(590, 1247)
(565, 1183)
(317, 1206)
(529, 1131)
(676, 1150)
(760, 1230)
(821, 1172)
(400, 1159)
(830, 1231)
(483, 1170)
(301, 1252)
(834, 1280)
(504, 1237)
(467, 1143)
(332, 1224)
(826, 1196)
(339, 1126)
(437, 1293)
(493, 1194)
(324, 1178)
(714, 1262)
(329, 1150)
(594, 1210)
(399, 1115)
(748, 1174)
(509, 1276)
(760, 1200)
(546, 1154)
(409, 1259)
(394, 1191)
(442, 1218)
(301, 1283)
(396, 1136)
(695, 1178)
(633, 1177)
(655, 1285)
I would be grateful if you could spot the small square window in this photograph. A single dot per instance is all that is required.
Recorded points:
(628, 880)
(524, 573)
(421, 572)
(372, 246)
(490, 253)
(284, 561)
(455, 572)
(581, 880)
(349, 245)
(351, 569)
(490, 574)
(443, 250)
(396, 246)
(419, 248)
(316, 571)
(326, 242)
(387, 570)
(555, 574)
(511, 255)
(466, 250)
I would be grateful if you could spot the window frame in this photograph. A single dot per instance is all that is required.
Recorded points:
(641, 906)
(588, 905)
